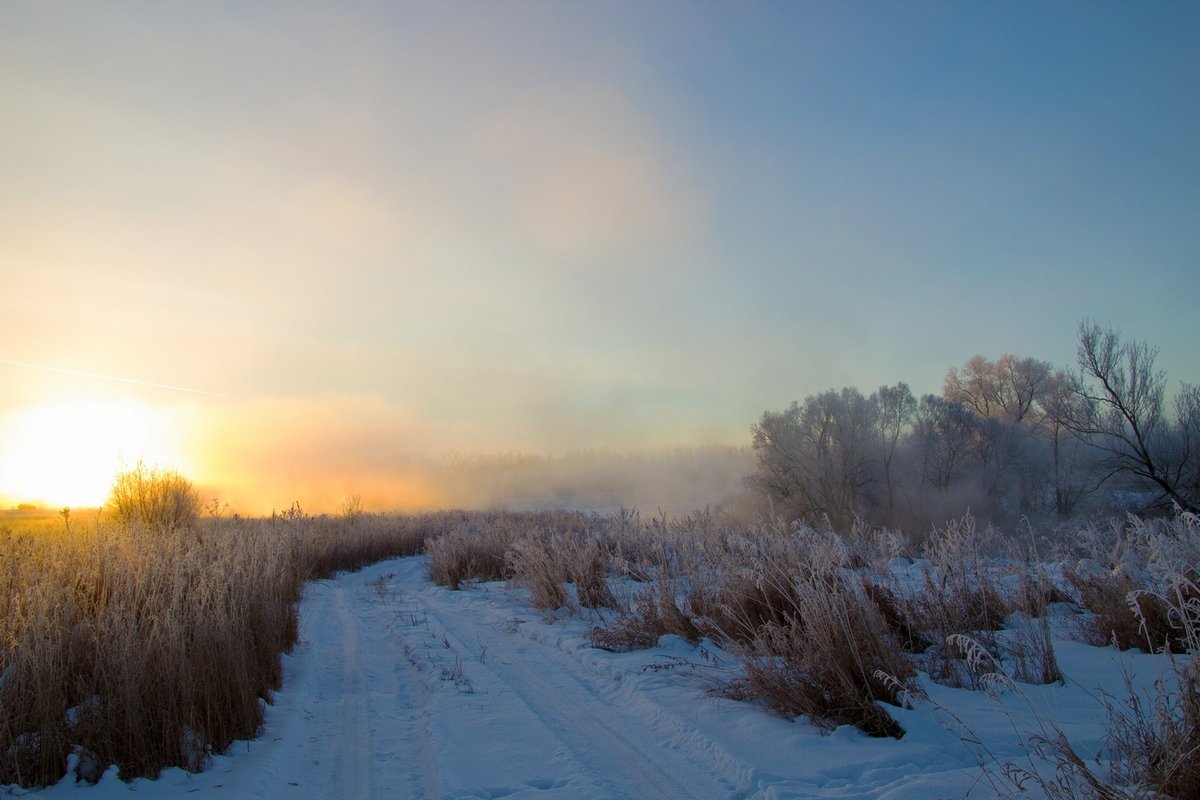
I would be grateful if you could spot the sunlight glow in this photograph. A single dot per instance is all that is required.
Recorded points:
(68, 454)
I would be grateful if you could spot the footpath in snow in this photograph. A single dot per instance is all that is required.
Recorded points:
(403, 689)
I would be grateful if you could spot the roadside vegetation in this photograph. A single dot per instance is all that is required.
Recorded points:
(838, 628)
(152, 641)
(125, 645)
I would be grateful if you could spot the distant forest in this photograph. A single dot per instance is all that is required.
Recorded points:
(1007, 439)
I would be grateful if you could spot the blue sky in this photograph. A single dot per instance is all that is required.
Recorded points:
(548, 226)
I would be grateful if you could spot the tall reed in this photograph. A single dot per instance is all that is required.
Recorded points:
(147, 647)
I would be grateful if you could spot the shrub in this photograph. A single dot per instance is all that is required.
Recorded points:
(154, 497)
(474, 550)
(653, 612)
(538, 562)
(826, 658)
(1124, 615)
(1156, 740)
(809, 638)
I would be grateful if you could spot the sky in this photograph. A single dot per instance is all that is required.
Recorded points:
(338, 236)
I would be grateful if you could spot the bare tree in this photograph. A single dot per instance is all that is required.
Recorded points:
(974, 385)
(1187, 410)
(1116, 407)
(1186, 442)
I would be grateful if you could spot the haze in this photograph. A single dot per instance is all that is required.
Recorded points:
(385, 232)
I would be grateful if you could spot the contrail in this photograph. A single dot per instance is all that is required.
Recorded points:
(114, 378)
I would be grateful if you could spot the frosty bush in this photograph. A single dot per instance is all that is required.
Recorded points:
(155, 498)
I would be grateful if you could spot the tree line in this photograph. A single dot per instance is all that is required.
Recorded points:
(1009, 438)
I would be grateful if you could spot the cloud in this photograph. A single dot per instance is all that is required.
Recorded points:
(582, 172)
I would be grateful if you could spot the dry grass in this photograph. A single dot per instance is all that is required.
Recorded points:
(126, 646)
(1120, 615)
(824, 663)
(541, 550)
(335, 544)
(819, 628)
(958, 597)
(653, 612)
(137, 649)
(1136, 579)
(540, 562)
(1155, 739)
(474, 550)
(959, 588)
(820, 644)
(546, 562)
(808, 640)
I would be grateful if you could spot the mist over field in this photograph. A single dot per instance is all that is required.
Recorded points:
(677, 481)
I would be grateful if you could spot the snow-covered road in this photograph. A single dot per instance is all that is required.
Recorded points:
(402, 689)
(412, 691)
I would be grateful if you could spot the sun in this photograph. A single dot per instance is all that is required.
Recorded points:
(68, 454)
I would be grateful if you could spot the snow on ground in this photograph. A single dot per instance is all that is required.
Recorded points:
(403, 689)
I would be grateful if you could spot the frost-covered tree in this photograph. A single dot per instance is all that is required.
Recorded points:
(1018, 446)
(1011, 389)
(819, 458)
(897, 408)
(1072, 463)
(945, 434)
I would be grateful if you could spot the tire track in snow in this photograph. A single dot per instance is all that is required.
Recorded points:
(352, 718)
(404, 691)
(606, 684)
(367, 716)
(382, 743)
(348, 750)
(613, 743)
